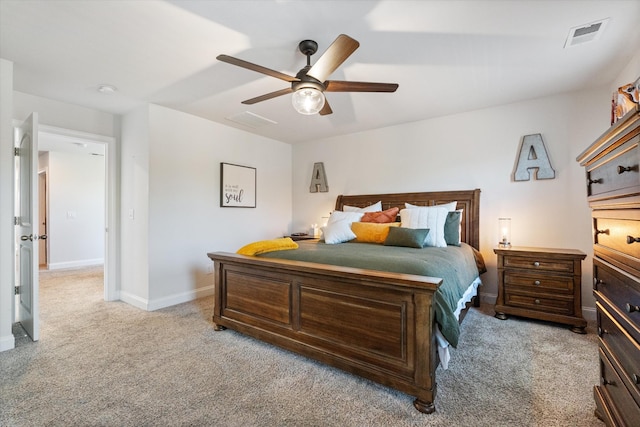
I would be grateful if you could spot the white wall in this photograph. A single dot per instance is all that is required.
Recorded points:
(628, 74)
(76, 217)
(7, 341)
(134, 204)
(63, 115)
(477, 149)
(179, 180)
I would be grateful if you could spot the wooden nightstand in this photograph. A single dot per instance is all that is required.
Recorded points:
(541, 283)
(299, 237)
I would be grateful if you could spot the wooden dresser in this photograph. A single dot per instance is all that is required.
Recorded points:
(541, 283)
(612, 165)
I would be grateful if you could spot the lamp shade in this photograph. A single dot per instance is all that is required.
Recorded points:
(504, 226)
(308, 100)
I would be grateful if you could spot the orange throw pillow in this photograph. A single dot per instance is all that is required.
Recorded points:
(389, 215)
(369, 232)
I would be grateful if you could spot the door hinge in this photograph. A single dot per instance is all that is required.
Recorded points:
(16, 151)
(16, 290)
(16, 220)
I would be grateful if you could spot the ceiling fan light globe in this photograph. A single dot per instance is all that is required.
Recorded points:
(308, 100)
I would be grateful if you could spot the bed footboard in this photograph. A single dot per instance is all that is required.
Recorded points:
(373, 324)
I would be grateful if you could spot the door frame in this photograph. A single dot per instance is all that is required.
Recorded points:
(112, 225)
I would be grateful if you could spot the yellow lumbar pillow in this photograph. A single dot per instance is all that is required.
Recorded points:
(371, 232)
(263, 246)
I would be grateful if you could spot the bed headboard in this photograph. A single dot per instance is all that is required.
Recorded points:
(468, 200)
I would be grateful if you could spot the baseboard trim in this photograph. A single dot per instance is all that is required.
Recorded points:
(8, 342)
(168, 301)
(589, 314)
(183, 297)
(75, 264)
(134, 300)
(488, 298)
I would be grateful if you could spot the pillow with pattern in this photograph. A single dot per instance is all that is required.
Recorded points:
(389, 215)
(431, 217)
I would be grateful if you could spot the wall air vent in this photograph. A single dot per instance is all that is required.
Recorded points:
(585, 33)
(250, 119)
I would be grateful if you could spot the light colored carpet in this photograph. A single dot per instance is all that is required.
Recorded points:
(110, 364)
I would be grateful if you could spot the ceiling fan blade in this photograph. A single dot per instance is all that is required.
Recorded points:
(254, 67)
(336, 54)
(343, 86)
(326, 109)
(268, 96)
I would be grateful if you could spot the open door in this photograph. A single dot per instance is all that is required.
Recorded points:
(27, 226)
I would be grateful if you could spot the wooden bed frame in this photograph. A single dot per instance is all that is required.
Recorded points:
(373, 324)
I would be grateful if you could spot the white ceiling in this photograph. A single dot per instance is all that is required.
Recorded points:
(54, 141)
(447, 56)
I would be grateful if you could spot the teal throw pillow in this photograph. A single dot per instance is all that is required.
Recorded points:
(409, 237)
(452, 228)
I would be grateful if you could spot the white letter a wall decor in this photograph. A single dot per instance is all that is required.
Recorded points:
(318, 179)
(531, 158)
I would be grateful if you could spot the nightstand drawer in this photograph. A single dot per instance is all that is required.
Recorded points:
(559, 284)
(616, 172)
(625, 349)
(538, 263)
(541, 302)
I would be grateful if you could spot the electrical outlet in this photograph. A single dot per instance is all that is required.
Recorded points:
(210, 268)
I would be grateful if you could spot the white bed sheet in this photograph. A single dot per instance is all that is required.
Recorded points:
(443, 344)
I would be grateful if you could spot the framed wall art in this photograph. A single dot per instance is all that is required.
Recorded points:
(237, 186)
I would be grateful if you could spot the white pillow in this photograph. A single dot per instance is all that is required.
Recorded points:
(431, 217)
(376, 207)
(348, 216)
(451, 206)
(338, 232)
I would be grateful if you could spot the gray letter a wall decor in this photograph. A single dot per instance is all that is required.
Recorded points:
(318, 179)
(531, 158)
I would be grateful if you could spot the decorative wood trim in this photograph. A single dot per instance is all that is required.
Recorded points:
(468, 201)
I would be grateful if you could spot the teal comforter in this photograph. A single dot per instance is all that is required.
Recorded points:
(456, 265)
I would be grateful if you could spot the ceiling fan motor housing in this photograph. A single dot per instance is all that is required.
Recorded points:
(306, 81)
(308, 47)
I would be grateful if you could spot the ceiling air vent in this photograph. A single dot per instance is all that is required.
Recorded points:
(585, 33)
(250, 119)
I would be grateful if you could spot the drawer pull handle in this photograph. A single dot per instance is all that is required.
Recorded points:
(537, 301)
(537, 283)
(602, 331)
(607, 382)
(636, 378)
(594, 181)
(631, 239)
(536, 264)
(597, 282)
(622, 169)
(602, 232)
(631, 308)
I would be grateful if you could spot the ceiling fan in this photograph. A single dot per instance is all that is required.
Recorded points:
(311, 81)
